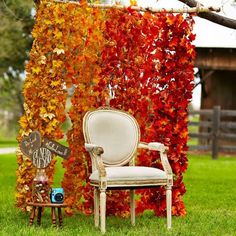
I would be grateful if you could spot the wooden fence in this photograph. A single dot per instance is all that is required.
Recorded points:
(216, 130)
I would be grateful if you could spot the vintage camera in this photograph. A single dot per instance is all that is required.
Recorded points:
(57, 195)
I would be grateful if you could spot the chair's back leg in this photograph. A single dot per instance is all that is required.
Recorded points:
(103, 210)
(168, 205)
(96, 207)
(132, 206)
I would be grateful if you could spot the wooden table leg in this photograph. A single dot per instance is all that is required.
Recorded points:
(60, 216)
(32, 215)
(54, 220)
(39, 215)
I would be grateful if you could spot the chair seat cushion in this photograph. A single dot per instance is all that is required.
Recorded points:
(131, 173)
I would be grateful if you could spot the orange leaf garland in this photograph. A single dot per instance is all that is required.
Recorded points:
(86, 76)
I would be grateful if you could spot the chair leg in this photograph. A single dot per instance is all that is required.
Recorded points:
(168, 205)
(103, 210)
(132, 206)
(96, 207)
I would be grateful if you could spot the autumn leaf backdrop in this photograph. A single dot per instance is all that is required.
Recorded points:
(140, 62)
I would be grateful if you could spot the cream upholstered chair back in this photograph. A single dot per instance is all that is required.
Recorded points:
(117, 132)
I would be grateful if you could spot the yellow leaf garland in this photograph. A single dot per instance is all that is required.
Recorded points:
(45, 96)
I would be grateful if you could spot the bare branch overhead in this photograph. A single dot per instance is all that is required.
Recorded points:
(196, 9)
(213, 17)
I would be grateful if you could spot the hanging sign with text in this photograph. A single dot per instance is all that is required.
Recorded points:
(41, 152)
(57, 148)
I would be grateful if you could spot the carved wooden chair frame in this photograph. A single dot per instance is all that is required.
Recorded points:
(104, 184)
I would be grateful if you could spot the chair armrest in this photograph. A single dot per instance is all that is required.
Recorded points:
(155, 146)
(97, 151)
(94, 148)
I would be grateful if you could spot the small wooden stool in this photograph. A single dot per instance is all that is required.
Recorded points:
(39, 206)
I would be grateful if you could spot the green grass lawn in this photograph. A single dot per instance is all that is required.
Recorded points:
(193, 129)
(8, 143)
(210, 201)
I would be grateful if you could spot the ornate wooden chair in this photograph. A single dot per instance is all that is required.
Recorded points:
(112, 138)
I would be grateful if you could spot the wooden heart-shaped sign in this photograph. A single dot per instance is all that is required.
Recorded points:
(29, 144)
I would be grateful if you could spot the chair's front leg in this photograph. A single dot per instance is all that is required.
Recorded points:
(98, 151)
(168, 205)
(103, 210)
(96, 207)
(132, 206)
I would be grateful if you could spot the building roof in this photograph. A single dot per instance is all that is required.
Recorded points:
(212, 35)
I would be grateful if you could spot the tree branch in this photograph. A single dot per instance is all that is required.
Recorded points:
(143, 9)
(213, 17)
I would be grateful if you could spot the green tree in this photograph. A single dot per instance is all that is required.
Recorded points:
(15, 40)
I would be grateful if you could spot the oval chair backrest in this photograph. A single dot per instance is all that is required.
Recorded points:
(115, 131)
